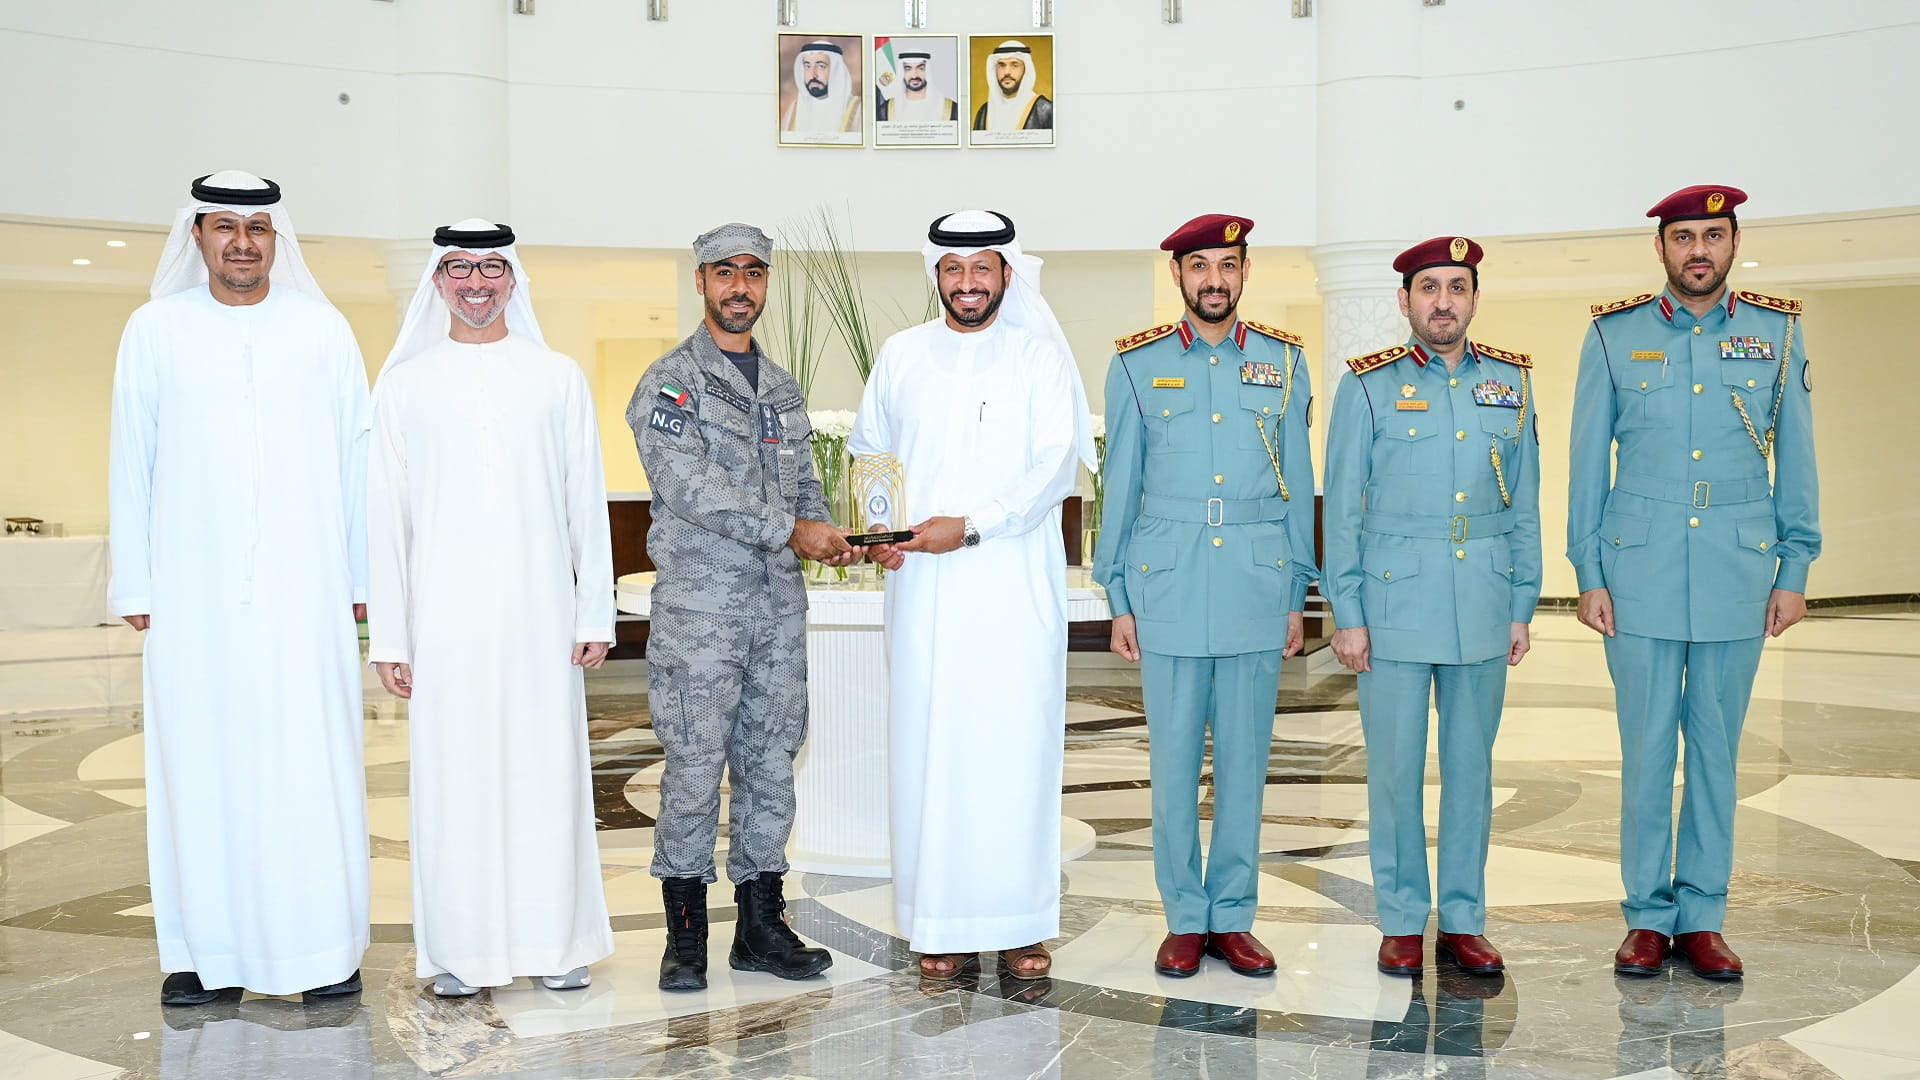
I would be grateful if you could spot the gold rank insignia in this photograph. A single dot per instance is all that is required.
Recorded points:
(1134, 341)
(1273, 332)
(1174, 383)
(1776, 303)
(1517, 359)
(1406, 390)
(1458, 249)
(1363, 364)
(1619, 305)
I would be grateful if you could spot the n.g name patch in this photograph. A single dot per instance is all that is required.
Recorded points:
(668, 420)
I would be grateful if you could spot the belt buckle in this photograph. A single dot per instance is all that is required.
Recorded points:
(1459, 528)
(1702, 494)
(1216, 511)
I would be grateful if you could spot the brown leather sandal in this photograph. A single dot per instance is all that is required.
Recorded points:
(957, 963)
(1011, 962)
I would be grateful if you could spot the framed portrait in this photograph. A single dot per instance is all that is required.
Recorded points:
(916, 91)
(1010, 80)
(822, 83)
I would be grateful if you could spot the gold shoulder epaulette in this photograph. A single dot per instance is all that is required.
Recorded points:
(1273, 332)
(1619, 305)
(1777, 303)
(1363, 364)
(1134, 341)
(1517, 359)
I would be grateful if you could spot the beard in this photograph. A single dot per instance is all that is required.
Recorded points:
(731, 322)
(977, 317)
(816, 88)
(1009, 85)
(1216, 315)
(1441, 335)
(1677, 277)
(916, 84)
(477, 317)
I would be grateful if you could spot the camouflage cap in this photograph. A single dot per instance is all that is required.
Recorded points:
(732, 239)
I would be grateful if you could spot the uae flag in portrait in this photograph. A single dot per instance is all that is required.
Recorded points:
(886, 70)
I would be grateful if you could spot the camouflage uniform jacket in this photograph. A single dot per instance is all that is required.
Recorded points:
(730, 468)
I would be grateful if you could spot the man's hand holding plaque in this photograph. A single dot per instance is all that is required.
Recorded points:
(880, 490)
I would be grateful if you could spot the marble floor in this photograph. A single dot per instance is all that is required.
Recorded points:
(1825, 909)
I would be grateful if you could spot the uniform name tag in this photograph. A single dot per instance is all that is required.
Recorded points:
(668, 420)
(1746, 348)
(1410, 406)
(1654, 355)
(1496, 393)
(1261, 373)
(769, 425)
(1169, 384)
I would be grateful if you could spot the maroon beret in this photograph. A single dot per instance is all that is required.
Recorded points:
(1208, 231)
(1439, 251)
(1699, 201)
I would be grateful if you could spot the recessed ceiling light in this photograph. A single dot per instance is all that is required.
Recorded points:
(83, 262)
(116, 243)
(1750, 264)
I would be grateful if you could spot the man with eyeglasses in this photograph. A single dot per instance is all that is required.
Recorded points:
(491, 593)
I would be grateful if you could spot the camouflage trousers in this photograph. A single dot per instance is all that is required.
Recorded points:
(728, 695)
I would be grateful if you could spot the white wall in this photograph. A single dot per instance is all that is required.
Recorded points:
(592, 126)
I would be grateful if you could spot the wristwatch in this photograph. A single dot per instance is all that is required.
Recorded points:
(970, 537)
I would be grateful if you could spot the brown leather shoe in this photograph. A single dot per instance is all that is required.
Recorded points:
(1179, 954)
(1707, 951)
(1641, 953)
(1242, 952)
(1473, 953)
(1400, 954)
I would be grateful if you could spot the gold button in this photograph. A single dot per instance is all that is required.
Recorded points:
(1763, 545)
(1265, 409)
(1143, 566)
(1697, 388)
(1459, 553)
(1166, 412)
(1453, 382)
(1751, 384)
(1218, 479)
(1217, 541)
(1696, 455)
(1504, 431)
(1283, 562)
(1693, 523)
(1459, 496)
(1643, 385)
(1459, 434)
(1213, 359)
(1616, 543)
(1413, 431)
(1696, 329)
(1216, 418)
(1386, 576)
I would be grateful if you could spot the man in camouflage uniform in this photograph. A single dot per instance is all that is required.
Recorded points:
(723, 434)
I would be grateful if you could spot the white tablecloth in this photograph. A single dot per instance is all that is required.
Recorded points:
(840, 777)
(50, 582)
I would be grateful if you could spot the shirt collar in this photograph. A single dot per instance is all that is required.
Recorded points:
(1421, 356)
(1188, 335)
(1669, 307)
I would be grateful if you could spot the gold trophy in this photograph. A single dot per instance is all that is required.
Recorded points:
(880, 495)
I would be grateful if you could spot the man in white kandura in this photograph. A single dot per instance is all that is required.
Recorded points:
(237, 483)
(986, 412)
(492, 590)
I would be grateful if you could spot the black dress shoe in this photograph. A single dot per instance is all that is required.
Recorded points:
(183, 988)
(348, 985)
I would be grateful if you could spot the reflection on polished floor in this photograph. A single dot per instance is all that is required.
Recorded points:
(1826, 912)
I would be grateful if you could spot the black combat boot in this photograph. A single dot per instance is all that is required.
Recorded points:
(684, 965)
(762, 940)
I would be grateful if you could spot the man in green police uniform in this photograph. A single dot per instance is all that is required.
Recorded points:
(1206, 553)
(1687, 556)
(1433, 568)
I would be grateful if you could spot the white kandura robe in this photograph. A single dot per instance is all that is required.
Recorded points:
(983, 423)
(489, 559)
(237, 482)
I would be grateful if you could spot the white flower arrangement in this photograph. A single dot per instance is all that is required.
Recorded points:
(1099, 426)
(831, 423)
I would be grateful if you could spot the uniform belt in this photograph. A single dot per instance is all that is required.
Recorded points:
(1426, 527)
(1698, 494)
(1214, 511)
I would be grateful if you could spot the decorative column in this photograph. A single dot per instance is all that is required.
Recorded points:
(1361, 297)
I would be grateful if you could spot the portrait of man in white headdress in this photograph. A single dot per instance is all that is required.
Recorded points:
(916, 91)
(1012, 87)
(820, 99)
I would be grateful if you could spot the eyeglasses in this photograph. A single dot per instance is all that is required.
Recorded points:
(461, 269)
